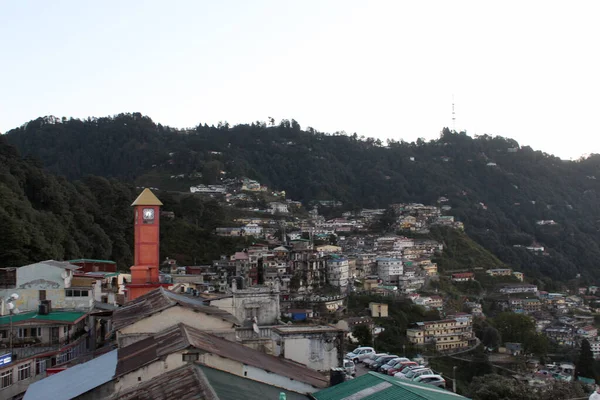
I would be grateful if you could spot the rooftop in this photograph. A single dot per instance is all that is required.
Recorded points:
(181, 337)
(63, 317)
(89, 260)
(160, 299)
(76, 380)
(58, 264)
(374, 386)
(147, 198)
(305, 329)
(184, 383)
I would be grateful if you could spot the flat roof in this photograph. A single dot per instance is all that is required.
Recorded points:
(69, 317)
(90, 260)
(306, 329)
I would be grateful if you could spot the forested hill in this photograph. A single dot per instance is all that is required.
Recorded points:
(47, 217)
(499, 189)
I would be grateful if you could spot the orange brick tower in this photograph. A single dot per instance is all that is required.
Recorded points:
(144, 274)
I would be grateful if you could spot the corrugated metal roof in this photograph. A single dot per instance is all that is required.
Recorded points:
(233, 387)
(182, 336)
(161, 299)
(58, 264)
(185, 383)
(374, 386)
(63, 317)
(76, 380)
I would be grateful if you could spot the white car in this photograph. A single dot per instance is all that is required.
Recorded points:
(435, 380)
(413, 373)
(360, 353)
(350, 367)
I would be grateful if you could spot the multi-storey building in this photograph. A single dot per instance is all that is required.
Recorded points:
(337, 271)
(446, 334)
(389, 269)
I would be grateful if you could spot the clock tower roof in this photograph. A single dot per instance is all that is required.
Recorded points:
(147, 198)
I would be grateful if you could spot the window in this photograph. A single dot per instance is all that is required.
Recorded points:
(8, 278)
(40, 367)
(190, 357)
(6, 379)
(23, 332)
(24, 371)
(65, 329)
(3, 334)
(76, 292)
(42, 295)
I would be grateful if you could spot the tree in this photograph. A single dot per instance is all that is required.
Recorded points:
(363, 334)
(585, 362)
(497, 387)
(491, 337)
(514, 327)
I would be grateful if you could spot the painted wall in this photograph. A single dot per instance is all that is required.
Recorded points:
(257, 374)
(35, 277)
(309, 350)
(170, 317)
(262, 302)
(149, 372)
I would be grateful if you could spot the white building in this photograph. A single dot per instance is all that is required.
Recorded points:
(278, 208)
(338, 271)
(253, 229)
(389, 269)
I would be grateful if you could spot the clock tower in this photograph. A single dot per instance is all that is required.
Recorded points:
(144, 274)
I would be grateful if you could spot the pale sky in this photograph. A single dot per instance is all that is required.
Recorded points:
(529, 70)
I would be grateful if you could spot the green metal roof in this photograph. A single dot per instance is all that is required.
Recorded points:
(89, 260)
(54, 316)
(374, 386)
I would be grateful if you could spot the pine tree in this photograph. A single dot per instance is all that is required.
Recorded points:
(585, 363)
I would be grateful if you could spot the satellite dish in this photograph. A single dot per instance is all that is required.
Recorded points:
(14, 296)
(11, 306)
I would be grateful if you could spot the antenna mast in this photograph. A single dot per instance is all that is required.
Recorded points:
(453, 116)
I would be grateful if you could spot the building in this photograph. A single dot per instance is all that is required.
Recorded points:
(519, 275)
(160, 309)
(256, 303)
(89, 265)
(374, 386)
(463, 277)
(278, 208)
(318, 347)
(50, 281)
(378, 310)
(338, 271)
(588, 332)
(389, 269)
(445, 335)
(519, 288)
(500, 272)
(162, 359)
(40, 341)
(144, 274)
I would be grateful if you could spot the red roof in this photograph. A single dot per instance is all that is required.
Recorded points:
(462, 275)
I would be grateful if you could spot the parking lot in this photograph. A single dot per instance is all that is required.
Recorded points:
(361, 369)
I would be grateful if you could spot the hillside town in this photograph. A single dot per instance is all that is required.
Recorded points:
(276, 318)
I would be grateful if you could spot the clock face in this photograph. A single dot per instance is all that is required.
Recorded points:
(148, 214)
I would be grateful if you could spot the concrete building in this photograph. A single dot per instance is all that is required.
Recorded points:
(446, 334)
(379, 310)
(463, 277)
(338, 271)
(260, 302)
(44, 281)
(389, 269)
(161, 309)
(318, 347)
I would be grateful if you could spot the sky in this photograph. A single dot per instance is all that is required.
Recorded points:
(528, 70)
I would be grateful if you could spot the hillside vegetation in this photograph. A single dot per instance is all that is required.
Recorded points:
(47, 217)
(496, 187)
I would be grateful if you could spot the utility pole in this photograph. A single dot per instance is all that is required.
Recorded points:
(454, 379)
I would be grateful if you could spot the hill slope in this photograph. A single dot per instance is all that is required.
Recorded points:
(46, 217)
(499, 189)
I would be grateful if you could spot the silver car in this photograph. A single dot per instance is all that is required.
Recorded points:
(435, 380)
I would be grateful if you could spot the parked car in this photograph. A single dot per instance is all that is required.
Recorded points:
(413, 373)
(371, 359)
(360, 353)
(385, 367)
(382, 361)
(435, 380)
(350, 367)
(399, 366)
